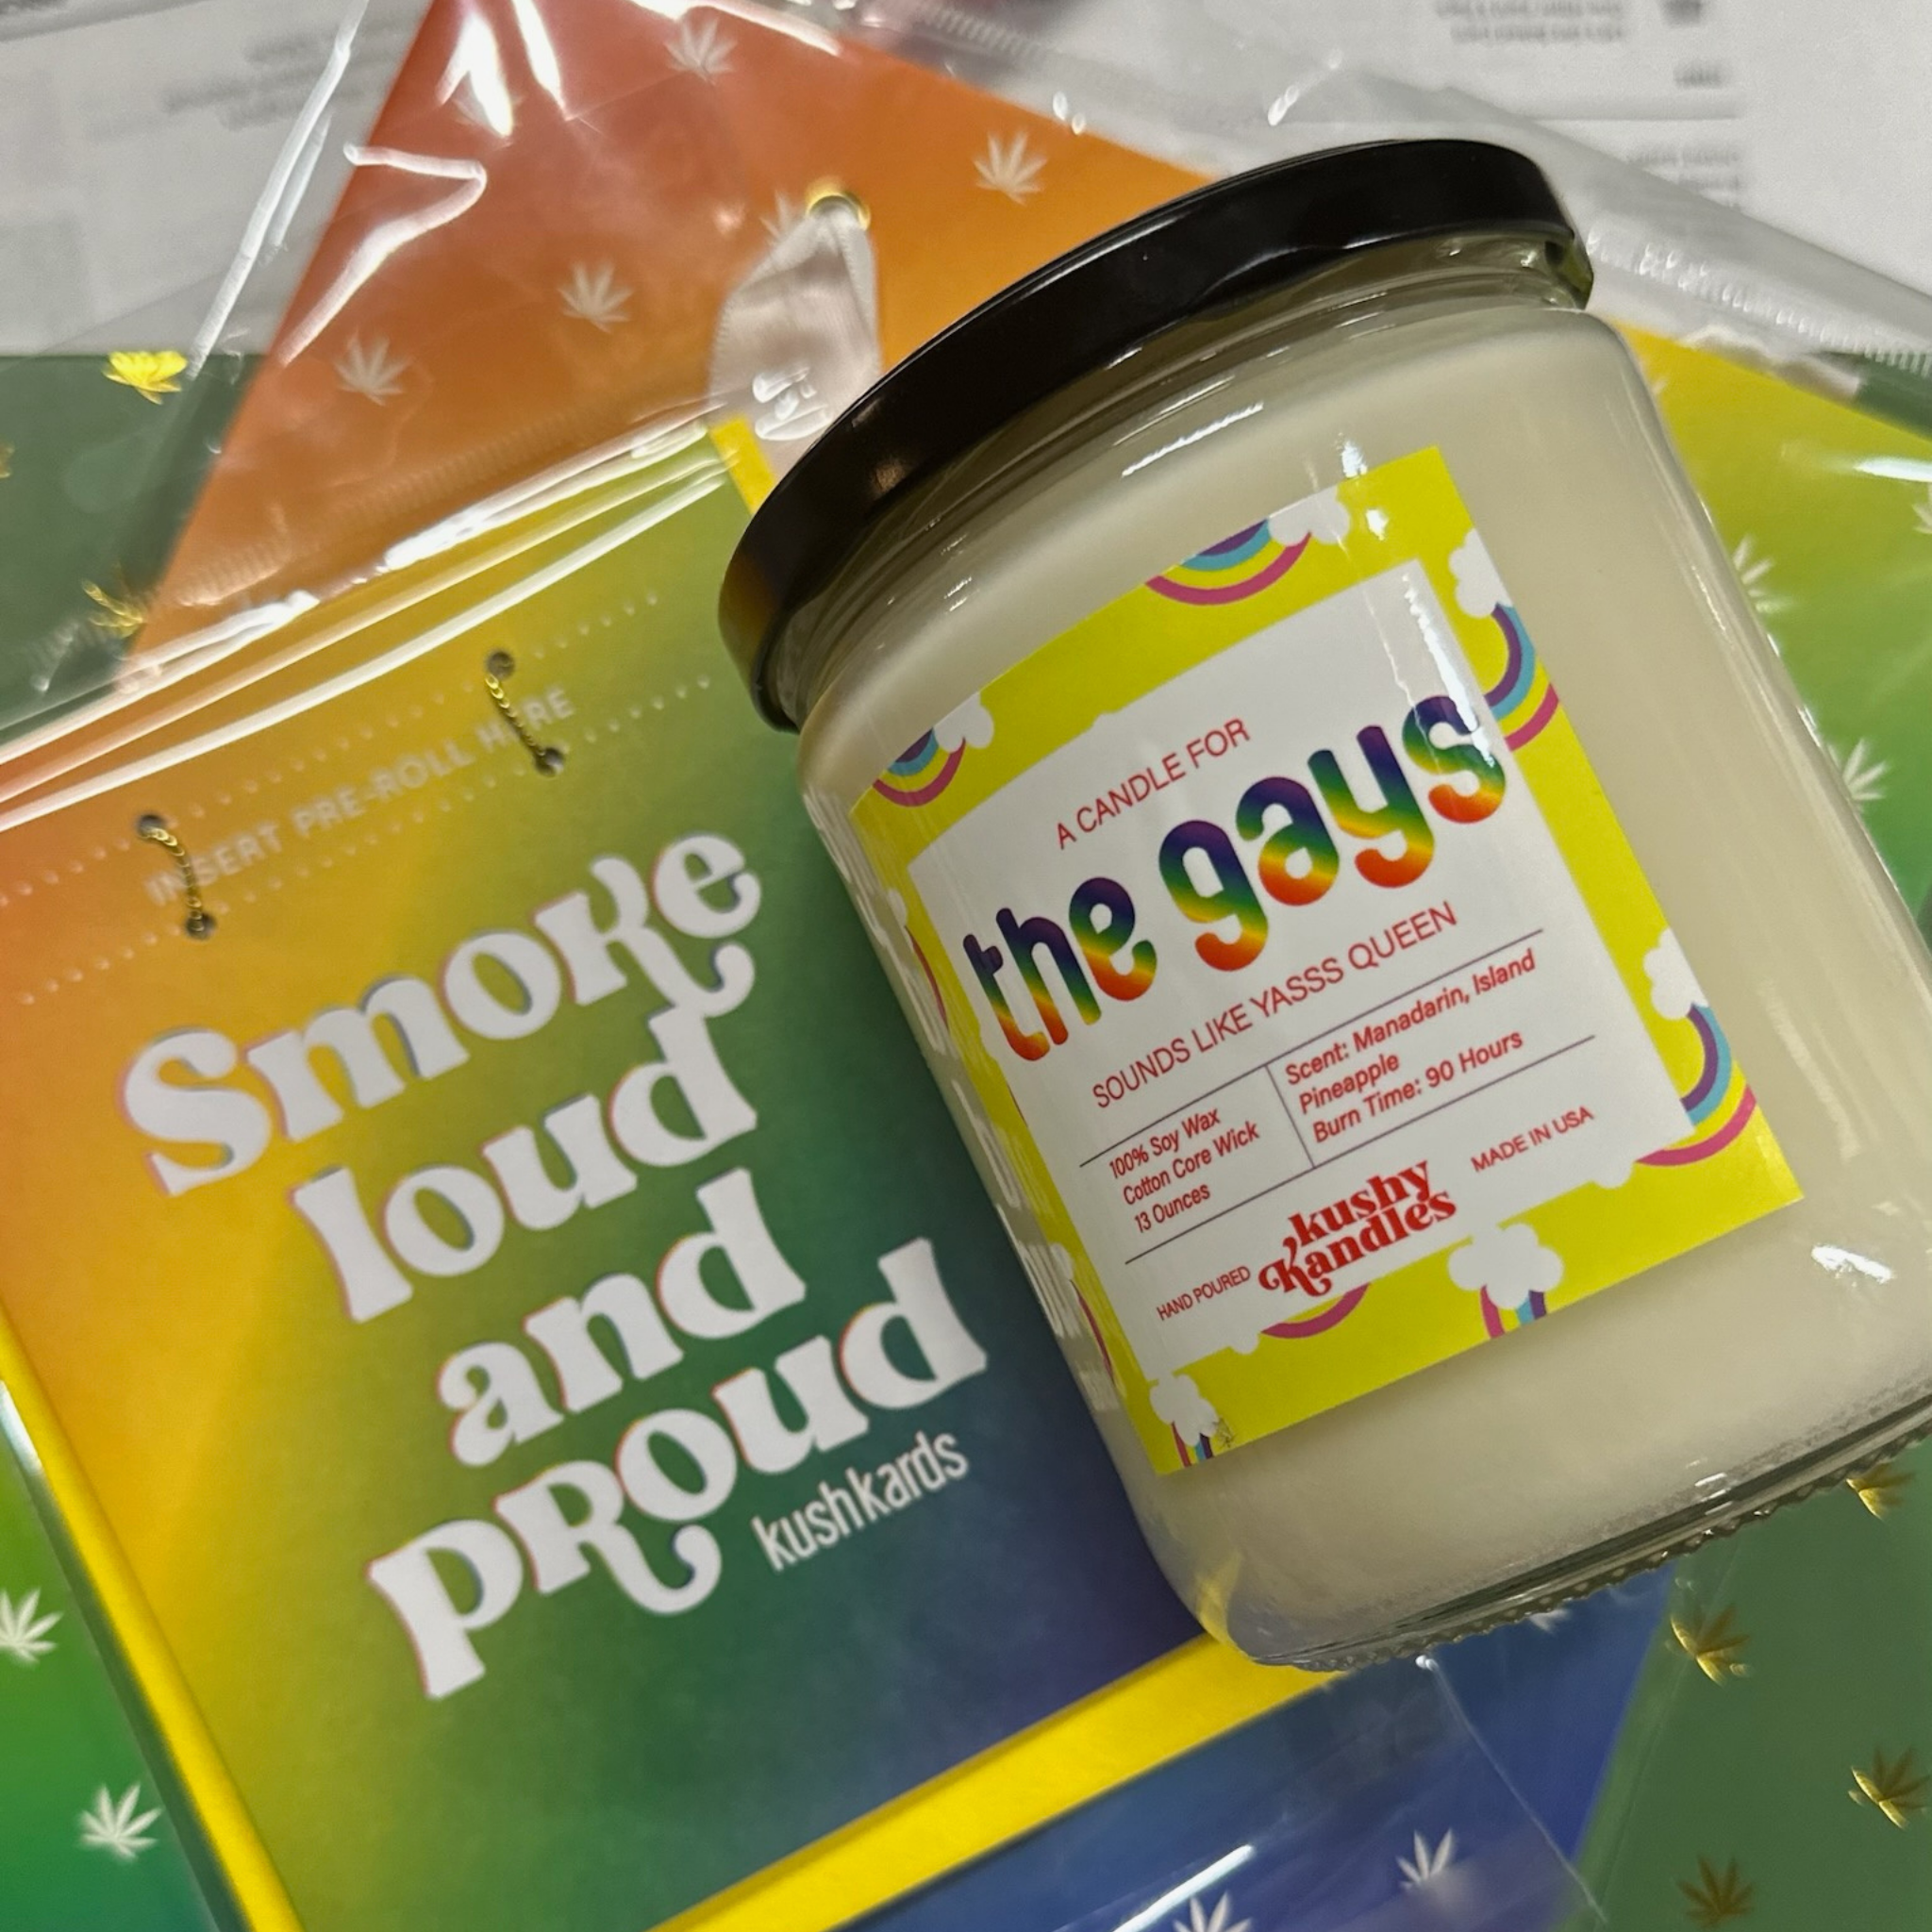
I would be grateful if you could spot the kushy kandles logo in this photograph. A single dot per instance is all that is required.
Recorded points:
(1320, 1244)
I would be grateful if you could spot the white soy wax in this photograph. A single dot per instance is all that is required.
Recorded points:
(1752, 1364)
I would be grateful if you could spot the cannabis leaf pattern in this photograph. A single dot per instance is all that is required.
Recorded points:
(119, 615)
(1429, 1861)
(1200, 1919)
(1754, 572)
(698, 48)
(1880, 1489)
(787, 212)
(1715, 1898)
(1895, 1788)
(23, 1631)
(1863, 772)
(149, 373)
(595, 295)
(1010, 168)
(369, 370)
(118, 1827)
(1712, 1643)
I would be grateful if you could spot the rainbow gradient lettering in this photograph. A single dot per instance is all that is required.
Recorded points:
(1295, 833)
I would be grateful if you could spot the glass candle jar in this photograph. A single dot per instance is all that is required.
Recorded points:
(1454, 1070)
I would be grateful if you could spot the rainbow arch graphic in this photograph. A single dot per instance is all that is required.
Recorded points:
(1239, 566)
(1523, 700)
(1497, 1322)
(1301, 1326)
(920, 773)
(1720, 1102)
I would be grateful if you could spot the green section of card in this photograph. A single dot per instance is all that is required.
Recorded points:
(95, 1833)
(1776, 1765)
(1826, 511)
(1790, 1794)
(96, 477)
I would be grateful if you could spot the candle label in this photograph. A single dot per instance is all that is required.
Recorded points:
(1325, 1020)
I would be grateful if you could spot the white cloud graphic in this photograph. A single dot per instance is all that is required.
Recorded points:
(1478, 584)
(968, 724)
(1673, 988)
(1614, 1169)
(1178, 1401)
(1613, 1151)
(1510, 1263)
(1323, 516)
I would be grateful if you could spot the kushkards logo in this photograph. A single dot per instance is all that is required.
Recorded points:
(1371, 1221)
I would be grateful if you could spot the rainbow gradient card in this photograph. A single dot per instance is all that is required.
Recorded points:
(97, 1831)
(525, 1352)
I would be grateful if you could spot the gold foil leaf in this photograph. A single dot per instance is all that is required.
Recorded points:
(148, 372)
(1715, 1898)
(1713, 1643)
(119, 617)
(1895, 1788)
(1881, 1488)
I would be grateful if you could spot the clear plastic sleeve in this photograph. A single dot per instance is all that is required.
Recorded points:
(595, 276)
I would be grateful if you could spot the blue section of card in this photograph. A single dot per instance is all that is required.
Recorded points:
(1450, 1791)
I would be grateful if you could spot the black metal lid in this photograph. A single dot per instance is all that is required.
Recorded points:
(1225, 244)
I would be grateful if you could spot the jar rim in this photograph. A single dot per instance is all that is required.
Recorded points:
(1227, 243)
